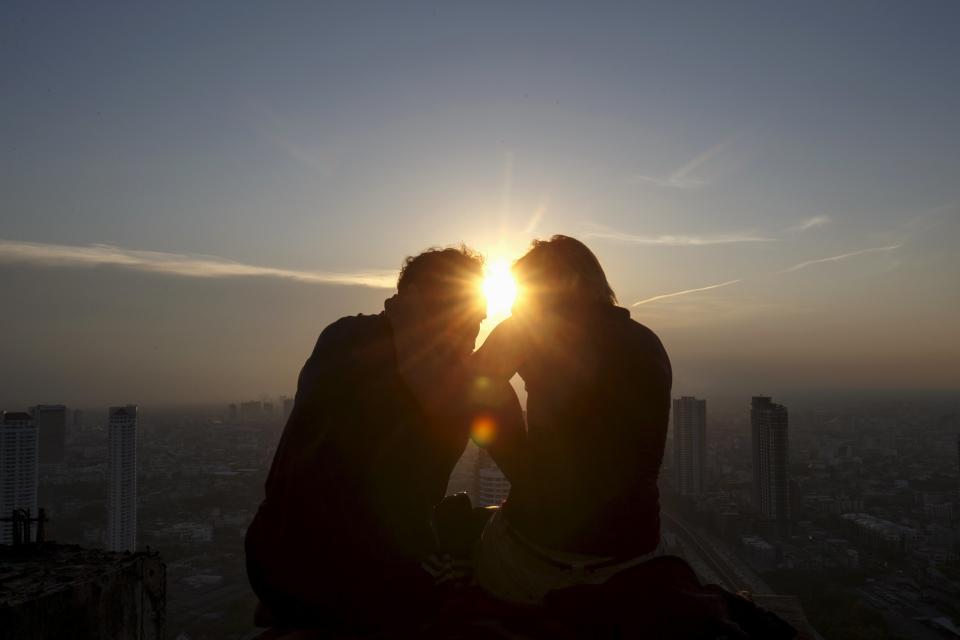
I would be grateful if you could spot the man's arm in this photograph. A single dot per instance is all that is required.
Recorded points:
(321, 392)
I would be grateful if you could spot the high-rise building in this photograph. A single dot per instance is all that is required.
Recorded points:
(771, 489)
(122, 479)
(51, 423)
(287, 408)
(19, 468)
(690, 444)
(232, 416)
(492, 487)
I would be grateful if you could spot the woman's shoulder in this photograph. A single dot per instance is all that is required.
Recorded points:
(639, 344)
(632, 332)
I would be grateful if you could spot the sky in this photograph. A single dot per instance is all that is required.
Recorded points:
(192, 191)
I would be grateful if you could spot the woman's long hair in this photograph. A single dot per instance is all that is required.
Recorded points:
(562, 273)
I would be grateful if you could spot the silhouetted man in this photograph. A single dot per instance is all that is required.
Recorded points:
(377, 426)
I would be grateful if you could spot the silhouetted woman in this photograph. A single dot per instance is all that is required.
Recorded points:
(584, 503)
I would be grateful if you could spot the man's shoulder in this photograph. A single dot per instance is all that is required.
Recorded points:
(352, 333)
(357, 326)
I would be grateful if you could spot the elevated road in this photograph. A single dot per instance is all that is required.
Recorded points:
(734, 576)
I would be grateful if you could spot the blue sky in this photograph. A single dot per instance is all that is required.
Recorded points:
(689, 144)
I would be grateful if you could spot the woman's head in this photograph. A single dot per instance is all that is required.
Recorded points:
(561, 274)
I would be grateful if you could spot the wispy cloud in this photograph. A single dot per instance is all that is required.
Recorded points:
(810, 223)
(671, 240)
(842, 256)
(684, 177)
(177, 264)
(686, 291)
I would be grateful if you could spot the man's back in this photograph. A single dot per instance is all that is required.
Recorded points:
(355, 474)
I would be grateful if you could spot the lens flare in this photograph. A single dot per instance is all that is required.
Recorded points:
(483, 430)
(499, 288)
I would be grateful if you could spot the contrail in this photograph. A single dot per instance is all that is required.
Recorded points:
(795, 267)
(177, 264)
(810, 223)
(681, 240)
(680, 175)
(686, 291)
(842, 256)
(680, 178)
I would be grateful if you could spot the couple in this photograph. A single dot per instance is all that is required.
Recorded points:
(383, 411)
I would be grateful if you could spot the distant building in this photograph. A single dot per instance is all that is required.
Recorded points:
(882, 534)
(287, 404)
(232, 415)
(759, 553)
(77, 418)
(251, 412)
(492, 486)
(19, 467)
(122, 479)
(51, 423)
(690, 444)
(771, 489)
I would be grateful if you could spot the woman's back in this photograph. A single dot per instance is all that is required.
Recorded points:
(598, 403)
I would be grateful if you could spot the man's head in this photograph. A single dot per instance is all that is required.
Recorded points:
(444, 288)
(561, 274)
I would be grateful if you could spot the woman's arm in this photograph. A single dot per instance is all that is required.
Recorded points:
(508, 443)
(503, 352)
(493, 364)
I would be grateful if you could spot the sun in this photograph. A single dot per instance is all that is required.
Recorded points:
(499, 288)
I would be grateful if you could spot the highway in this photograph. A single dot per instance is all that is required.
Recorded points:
(734, 578)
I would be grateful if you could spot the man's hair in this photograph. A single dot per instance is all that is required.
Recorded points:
(563, 272)
(442, 274)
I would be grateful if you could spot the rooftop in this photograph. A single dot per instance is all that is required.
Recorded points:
(16, 416)
(52, 590)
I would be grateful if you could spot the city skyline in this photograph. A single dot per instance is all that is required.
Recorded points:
(875, 483)
(838, 517)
